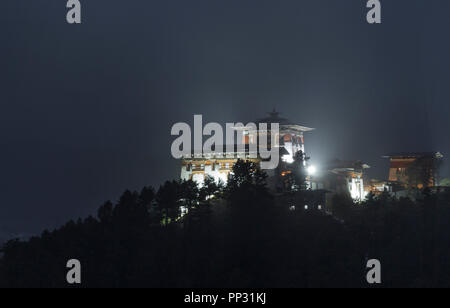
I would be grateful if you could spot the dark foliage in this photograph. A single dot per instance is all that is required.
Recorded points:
(242, 240)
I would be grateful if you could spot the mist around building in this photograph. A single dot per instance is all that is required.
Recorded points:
(408, 175)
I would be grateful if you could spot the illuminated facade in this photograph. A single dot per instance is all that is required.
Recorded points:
(346, 178)
(290, 140)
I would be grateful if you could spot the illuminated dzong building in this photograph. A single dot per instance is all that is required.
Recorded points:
(218, 165)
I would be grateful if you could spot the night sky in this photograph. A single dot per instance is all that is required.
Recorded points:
(86, 110)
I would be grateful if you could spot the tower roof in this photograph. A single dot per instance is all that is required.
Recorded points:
(274, 117)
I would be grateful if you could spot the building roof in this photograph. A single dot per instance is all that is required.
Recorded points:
(437, 155)
(347, 165)
(274, 117)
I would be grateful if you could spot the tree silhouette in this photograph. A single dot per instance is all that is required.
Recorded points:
(423, 172)
(247, 184)
(245, 241)
(210, 189)
(299, 173)
(168, 198)
(147, 196)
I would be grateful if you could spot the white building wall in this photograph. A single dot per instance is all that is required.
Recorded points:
(288, 146)
(199, 178)
(185, 175)
(356, 187)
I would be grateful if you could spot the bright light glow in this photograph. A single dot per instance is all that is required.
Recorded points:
(312, 170)
(184, 210)
(288, 159)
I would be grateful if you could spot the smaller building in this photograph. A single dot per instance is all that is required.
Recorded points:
(414, 170)
(376, 187)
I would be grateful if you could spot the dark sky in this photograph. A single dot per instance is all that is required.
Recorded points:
(86, 110)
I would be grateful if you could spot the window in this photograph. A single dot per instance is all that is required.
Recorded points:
(287, 138)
